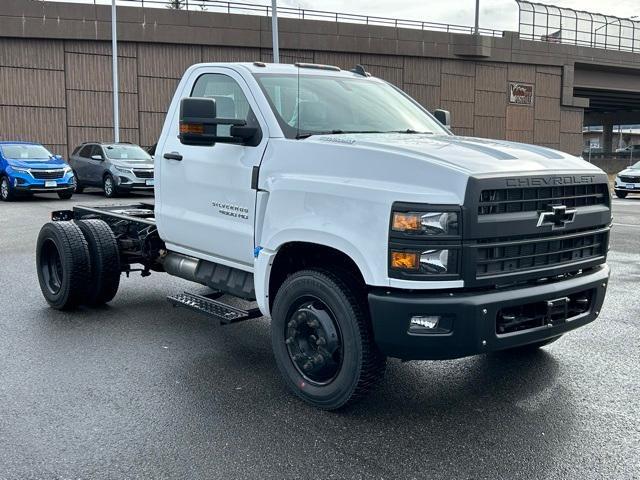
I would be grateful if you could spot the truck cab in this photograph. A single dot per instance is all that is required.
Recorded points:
(360, 225)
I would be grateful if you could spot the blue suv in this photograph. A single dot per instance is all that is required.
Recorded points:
(27, 168)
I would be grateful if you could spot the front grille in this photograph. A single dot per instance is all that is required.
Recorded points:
(143, 173)
(47, 174)
(502, 256)
(627, 179)
(533, 199)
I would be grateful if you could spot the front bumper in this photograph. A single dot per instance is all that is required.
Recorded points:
(472, 317)
(25, 183)
(128, 181)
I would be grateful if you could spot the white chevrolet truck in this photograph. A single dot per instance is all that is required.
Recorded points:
(334, 204)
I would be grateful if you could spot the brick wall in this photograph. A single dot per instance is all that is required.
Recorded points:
(58, 92)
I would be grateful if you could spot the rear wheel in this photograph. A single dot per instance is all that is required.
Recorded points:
(621, 194)
(109, 186)
(62, 261)
(105, 261)
(322, 339)
(65, 195)
(6, 194)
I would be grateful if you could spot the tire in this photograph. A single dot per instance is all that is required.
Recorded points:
(6, 193)
(621, 194)
(62, 261)
(104, 258)
(533, 347)
(353, 368)
(79, 187)
(109, 186)
(65, 195)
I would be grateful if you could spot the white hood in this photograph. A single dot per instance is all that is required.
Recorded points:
(469, 155)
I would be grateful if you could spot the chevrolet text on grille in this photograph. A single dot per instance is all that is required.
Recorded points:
(549, 181)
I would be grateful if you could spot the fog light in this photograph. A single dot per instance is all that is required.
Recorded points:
(15, 182)
(424, 322)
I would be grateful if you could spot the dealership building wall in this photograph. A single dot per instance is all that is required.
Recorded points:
(55, 71)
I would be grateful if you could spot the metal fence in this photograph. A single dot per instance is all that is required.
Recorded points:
(298, 13)
(553, 24)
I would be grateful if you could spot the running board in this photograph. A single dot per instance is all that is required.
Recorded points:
(222, 312)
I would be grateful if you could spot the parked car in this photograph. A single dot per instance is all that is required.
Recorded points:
(631, 150)
(27, 168)
(114, 167)
(628, 181)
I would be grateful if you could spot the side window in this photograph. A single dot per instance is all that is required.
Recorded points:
(85, 152)
(230, 99)
(97, 150)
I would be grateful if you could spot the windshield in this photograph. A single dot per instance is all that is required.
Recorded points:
(26, 152)
(320, 104)
(130, 153)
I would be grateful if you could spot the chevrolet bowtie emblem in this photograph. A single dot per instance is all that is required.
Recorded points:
(557, 216)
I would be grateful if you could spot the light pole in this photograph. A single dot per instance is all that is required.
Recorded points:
(274, 30)
(477, 17)
(114, 63)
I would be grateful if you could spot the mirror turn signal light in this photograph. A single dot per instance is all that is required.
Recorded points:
(196, 128)
(405, 260)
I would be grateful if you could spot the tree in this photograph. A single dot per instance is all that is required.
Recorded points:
(176, 4)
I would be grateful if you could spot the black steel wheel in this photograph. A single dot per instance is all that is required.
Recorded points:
(62, 261)
(322, 339)
(6, 194)
(104, 257)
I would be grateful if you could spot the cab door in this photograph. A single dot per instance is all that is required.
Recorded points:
(205, 204)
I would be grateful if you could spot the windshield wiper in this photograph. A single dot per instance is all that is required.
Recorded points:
(409, 130)
(335, 132)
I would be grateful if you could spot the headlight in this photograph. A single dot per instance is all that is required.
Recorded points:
(123, 170)
(66, 169)
(20, 170)
(426, 223)
(425, 241)
(430, 261)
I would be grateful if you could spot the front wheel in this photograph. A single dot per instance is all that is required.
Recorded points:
(621, 194)
(109, 186)
(65, 195)
(322, 339)
(6, 195)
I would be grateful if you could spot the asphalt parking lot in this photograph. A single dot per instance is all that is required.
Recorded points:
(140, 390)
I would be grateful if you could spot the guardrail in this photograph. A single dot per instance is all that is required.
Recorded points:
(548, 23)
(299, 13)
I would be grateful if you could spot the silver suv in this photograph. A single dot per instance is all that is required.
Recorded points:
(114, 167)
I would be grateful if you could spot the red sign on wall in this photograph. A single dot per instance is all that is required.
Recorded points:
(520, 93)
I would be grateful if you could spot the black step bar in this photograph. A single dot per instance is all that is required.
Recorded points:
(212, 308)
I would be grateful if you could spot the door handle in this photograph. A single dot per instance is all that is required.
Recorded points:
(173, 156)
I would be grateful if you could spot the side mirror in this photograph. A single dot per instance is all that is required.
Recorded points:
(199, 124)
(443, 116)
(96, 157)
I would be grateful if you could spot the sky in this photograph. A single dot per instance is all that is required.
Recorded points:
(494, 14)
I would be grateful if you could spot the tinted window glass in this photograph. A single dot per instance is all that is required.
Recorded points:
(86, 151)
(230, 99)
(25, 152)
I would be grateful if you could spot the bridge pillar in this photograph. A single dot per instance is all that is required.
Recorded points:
(607, 137)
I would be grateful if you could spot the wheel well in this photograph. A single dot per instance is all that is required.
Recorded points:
(296, 256)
